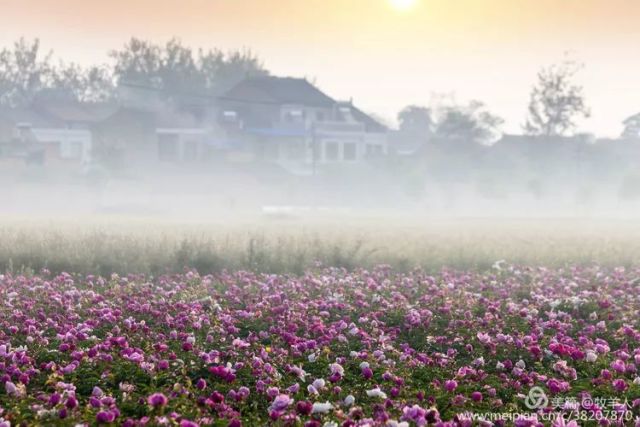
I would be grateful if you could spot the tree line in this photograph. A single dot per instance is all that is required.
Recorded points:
(27, 72)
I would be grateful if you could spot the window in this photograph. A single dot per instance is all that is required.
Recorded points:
(21, 131)
(230, 116)
(350, 153)
(168, 148)
(294, 116)
(345, 113)
(331, 151)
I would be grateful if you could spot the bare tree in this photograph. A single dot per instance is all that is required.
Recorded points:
(471, 123)
(222, 71)
(24, 72)
(556, 101)
(138, 62)
(93, 84)
(176, 69)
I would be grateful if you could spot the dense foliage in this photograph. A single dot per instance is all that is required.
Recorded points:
(28, 73)
(326, 348)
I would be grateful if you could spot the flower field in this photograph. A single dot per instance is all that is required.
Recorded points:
(327, 348)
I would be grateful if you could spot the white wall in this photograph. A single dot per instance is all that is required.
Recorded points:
(75, 144)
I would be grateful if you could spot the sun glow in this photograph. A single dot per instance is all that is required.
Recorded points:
(403, 5)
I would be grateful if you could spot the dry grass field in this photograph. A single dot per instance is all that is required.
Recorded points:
(292, 245)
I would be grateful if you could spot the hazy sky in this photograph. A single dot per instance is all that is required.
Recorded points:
(382, 57)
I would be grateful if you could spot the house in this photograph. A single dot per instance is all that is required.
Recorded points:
(39, 137)
(286, 122)
(57, 130)
(184, 137)
(291, 122)
(159, 129)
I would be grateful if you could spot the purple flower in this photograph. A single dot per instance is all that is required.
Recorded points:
(157, 399)
(105, 417)
(280, 403)
(54, 399)
(450, 385)
(71, 402)
(620, 385)
(217, 397)
(367, 373)
(304, 407)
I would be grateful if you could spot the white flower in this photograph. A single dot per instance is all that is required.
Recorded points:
(500, 366)
(318, 383)
(349, 400)
(394, 423)
(312, 357)
(336, 368)
(321, 408)
(497, 265)
(330, 424)
(364, 365)
(10, 388)
(636, 381)
(521, 364)
(591, 356)
(353, 354)
(376, 392)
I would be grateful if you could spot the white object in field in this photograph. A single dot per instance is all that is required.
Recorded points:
(284, 210)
